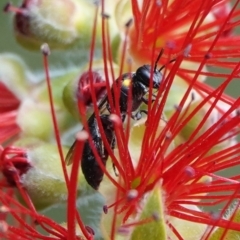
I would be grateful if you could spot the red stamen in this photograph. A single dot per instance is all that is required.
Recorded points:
(46, 51)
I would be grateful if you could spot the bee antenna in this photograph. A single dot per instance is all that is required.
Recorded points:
(159, 56)
(161, 68)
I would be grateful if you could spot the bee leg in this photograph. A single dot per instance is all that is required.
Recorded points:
(147, 100)
(115, 170)
(113, 144)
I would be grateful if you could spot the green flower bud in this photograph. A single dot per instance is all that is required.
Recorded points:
(44, 180)
(35, 120)
(59, 80)
(60, 23)
(14, 74)
(34, 115)
(79, 88)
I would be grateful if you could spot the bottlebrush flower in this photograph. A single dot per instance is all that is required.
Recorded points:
(167, 174)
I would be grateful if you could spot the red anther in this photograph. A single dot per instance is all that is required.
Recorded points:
(90, 230)
(105, 209)
(7, 7)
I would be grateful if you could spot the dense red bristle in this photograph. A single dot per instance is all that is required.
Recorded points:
(9, 128)
(218, 92)
(82, 109)
(203, 90)
(8, 100)
(9, 105)
(206, 189)
(24, 229)
(149, 138)
(164, 25)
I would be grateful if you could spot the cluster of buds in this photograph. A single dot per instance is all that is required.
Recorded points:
(132, 142)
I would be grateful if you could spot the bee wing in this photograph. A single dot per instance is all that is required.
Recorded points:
(102, 107)
(104, 110)
(69, 157)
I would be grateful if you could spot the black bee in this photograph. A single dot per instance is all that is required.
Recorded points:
(139, 83)
(90, 167)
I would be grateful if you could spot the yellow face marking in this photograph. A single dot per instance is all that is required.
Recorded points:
(126, 82)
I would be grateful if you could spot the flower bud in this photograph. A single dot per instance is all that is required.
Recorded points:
(44, 180)
(14, 72)
(34, 115)
(34, 120)
(78, 89)
(60, 23)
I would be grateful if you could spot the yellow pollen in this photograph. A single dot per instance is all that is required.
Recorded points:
(126, 82)
(160, 42)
